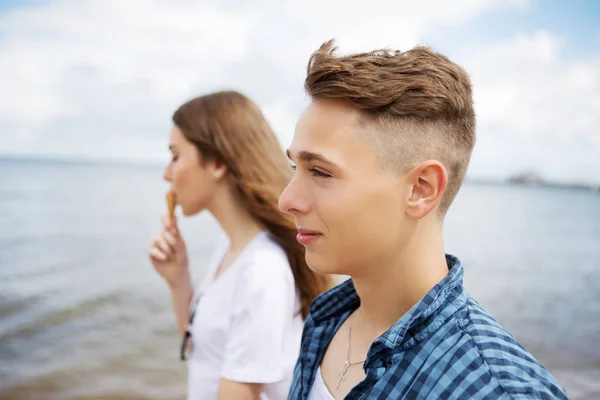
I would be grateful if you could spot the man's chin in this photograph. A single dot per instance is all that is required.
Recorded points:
(321, 264)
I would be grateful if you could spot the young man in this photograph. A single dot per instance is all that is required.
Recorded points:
(380, 153)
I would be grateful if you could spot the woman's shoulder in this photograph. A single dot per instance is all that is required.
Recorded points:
(266, 260)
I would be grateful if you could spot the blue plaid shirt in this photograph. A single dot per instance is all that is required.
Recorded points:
(446, 347)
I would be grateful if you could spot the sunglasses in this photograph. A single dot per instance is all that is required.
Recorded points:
(183, 353)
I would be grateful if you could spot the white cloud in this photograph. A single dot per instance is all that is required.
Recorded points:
(536, 109)
(100, 79)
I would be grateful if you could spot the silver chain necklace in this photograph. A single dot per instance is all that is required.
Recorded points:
(348, 364)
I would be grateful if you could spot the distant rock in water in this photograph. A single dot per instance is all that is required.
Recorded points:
(531, 178)
(526, 178)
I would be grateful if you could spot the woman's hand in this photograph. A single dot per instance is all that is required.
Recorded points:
(169, 255)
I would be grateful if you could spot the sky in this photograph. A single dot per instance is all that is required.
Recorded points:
(100, 79)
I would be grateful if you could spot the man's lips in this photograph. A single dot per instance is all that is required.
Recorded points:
(306, 236)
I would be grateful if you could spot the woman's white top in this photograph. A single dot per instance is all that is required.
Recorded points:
(319, 391)
(247, 325)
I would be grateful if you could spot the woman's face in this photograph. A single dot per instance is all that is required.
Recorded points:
(193, 182)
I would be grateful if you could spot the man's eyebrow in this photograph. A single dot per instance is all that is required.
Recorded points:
(308, 156)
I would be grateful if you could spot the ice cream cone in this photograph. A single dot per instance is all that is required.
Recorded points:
(171, 203)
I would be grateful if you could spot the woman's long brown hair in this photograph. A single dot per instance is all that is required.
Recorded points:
(229, 129)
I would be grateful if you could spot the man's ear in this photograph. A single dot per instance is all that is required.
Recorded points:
(428, 182)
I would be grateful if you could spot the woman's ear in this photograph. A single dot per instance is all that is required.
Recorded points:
(219, 172)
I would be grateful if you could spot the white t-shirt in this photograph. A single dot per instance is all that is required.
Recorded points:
(319, 390)
(247, 325)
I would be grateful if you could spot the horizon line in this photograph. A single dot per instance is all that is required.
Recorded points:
(151, 163)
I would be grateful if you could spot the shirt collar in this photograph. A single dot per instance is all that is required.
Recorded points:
(439, 301)
(335, 302)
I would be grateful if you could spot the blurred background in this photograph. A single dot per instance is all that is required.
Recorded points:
(87, 90)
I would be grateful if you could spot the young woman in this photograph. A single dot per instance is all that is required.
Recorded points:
(245, 320)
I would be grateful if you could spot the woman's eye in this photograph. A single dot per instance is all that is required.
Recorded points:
(319, 174)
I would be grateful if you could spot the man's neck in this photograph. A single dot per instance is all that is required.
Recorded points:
(389, 291)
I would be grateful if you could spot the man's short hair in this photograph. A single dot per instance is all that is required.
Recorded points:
(418, 104)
